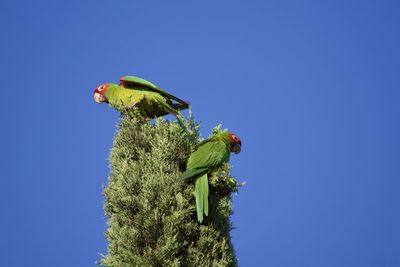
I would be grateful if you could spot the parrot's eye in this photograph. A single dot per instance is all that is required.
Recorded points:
(101, 87)
(235, 137)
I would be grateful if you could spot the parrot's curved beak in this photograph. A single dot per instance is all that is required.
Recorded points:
(236, 148)
(99, 98)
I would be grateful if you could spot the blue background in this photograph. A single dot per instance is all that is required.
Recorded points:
(311, 87)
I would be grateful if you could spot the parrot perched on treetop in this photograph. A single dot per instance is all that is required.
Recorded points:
(137, 92)
(206, 156)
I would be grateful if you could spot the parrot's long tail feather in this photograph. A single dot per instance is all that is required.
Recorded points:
(205, 193)
(201, 193)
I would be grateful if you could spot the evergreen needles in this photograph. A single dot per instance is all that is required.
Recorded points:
(151, 214)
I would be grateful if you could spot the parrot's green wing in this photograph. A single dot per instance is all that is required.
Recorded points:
(209, 155)
(134, 81)
(206, 155)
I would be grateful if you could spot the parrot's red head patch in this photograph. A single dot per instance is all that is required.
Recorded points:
(99, 93)
(235, 143)
(101, 89)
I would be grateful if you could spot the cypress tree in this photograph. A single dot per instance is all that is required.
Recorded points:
(151, 214)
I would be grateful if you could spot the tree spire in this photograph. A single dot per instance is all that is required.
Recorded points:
(151, 213)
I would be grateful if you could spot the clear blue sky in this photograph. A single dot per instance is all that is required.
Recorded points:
(311, 87)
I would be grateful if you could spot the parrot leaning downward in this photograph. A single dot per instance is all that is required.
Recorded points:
(206, 156)
(137, 92)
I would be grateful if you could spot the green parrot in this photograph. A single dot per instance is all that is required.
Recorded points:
(206, 156)
(137, 92)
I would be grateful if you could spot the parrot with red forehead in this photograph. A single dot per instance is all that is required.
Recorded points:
(136, 92)
(207, 156)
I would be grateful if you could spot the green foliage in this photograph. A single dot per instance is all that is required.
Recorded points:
(152, 214)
